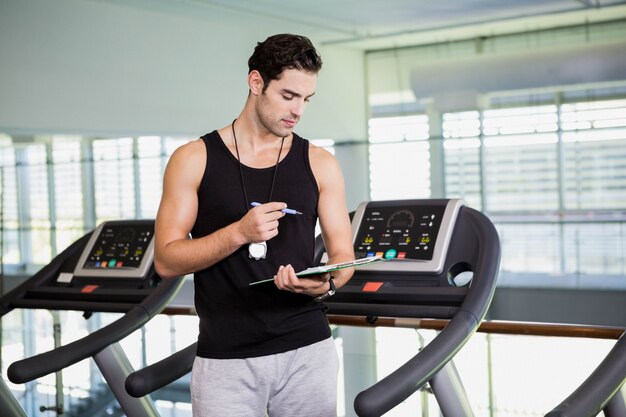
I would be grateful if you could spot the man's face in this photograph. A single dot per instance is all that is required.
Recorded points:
(282, 104)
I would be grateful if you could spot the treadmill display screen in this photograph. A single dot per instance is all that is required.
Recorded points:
(119, 247)
(407, 232)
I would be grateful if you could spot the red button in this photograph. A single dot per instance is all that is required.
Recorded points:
(372, 286)
(89, 288)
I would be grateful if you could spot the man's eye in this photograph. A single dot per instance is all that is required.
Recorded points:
(288, 97)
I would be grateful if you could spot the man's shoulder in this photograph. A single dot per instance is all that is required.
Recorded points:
(189, 156)
(319, 154)
(324, 165)
(190, 148)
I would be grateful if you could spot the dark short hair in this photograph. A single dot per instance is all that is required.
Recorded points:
(283, 51)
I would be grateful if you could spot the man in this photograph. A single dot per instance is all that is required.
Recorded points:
(263, 348)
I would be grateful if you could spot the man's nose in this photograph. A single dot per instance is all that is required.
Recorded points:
(298, 108)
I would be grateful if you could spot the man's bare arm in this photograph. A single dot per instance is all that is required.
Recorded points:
(333, 215)
(175, 253)
(336, 228)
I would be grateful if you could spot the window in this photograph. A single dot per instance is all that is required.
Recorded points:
(68, 190)
(56, 187)
(399, 157)
(9, 222)
(595, 249)
(594, 141)
(461, 142)
(530, 247)
(521, 159)
(551, 177)
(114, 179)
(34, 176)
(150, 175)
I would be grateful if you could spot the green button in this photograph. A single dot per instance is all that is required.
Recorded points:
(390, 254)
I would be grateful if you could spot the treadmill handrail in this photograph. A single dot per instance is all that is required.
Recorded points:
(598, 389)
(400, 384)
(390, 391)
(45, 274)
(162, 373)
(54, 360)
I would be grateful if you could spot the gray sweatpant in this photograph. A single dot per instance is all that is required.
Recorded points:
(297, 383)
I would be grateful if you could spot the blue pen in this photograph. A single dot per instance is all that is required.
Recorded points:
(286, 211)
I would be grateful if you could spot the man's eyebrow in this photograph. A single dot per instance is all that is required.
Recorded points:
(293, 93)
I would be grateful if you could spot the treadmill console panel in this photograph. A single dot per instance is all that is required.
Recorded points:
(411, 235)
(118, 249)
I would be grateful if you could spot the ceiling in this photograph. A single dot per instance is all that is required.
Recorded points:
(381, 24)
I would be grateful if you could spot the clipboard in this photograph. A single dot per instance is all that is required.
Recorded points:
(330, 268)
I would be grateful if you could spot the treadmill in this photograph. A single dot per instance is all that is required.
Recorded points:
(441, 261)
(107, 270)
(453, 276)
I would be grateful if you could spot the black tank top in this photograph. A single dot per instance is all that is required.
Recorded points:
(238, 320)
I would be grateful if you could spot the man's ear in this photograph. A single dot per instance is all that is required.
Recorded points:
(255, 82)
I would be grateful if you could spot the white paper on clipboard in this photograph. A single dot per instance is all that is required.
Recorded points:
(331, 267)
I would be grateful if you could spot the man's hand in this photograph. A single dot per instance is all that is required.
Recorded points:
(312, 285)
(260, 223)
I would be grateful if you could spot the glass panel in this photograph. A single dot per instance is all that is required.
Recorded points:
(595, 155)
(394, 347)
(521, 161)
(399, 170)
(36, 181)
(29, 332)
(595, 173)
(522, 176)
(461, 125)
(115, 188)
(399, 157)
(530, 248)
(8, 205)
(462, 157)
(595, 249)
(150, 174)
(495, 369)
(114, 179)
(68, 190)
(545, 369)
(396, 129)
(520, 120)
(595, 114)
